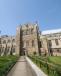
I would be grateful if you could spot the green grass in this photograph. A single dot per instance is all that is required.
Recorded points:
(55, 59)
(6, 62)
(53, 62)
(51, 59)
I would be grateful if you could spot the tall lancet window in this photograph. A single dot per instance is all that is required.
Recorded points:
(56, 41)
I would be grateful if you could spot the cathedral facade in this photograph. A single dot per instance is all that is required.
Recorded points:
(29, 40)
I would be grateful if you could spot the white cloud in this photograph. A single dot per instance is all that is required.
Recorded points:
(51, 31)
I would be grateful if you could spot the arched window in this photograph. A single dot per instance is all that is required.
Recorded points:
(4, 41)
(9, 41)
(13, 40)
(49, 43)
(58, 50)
(56, 41)
(40, 43)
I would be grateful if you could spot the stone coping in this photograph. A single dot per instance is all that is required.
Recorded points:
(36, 70)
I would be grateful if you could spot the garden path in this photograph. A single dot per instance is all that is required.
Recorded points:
(20, 68)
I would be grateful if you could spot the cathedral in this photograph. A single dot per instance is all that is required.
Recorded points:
(29, 40)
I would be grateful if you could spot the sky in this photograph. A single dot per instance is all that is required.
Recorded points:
(15, 12)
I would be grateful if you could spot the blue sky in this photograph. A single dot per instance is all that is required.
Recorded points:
(15, 12)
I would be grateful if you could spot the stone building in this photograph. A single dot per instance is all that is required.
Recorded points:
(53, 43)
(7, 45)
(28, 40)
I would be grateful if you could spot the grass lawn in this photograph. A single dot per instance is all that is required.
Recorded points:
(55, 59)
(6, 62)
(51, 59)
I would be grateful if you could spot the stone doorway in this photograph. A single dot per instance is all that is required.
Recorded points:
(22, 52)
